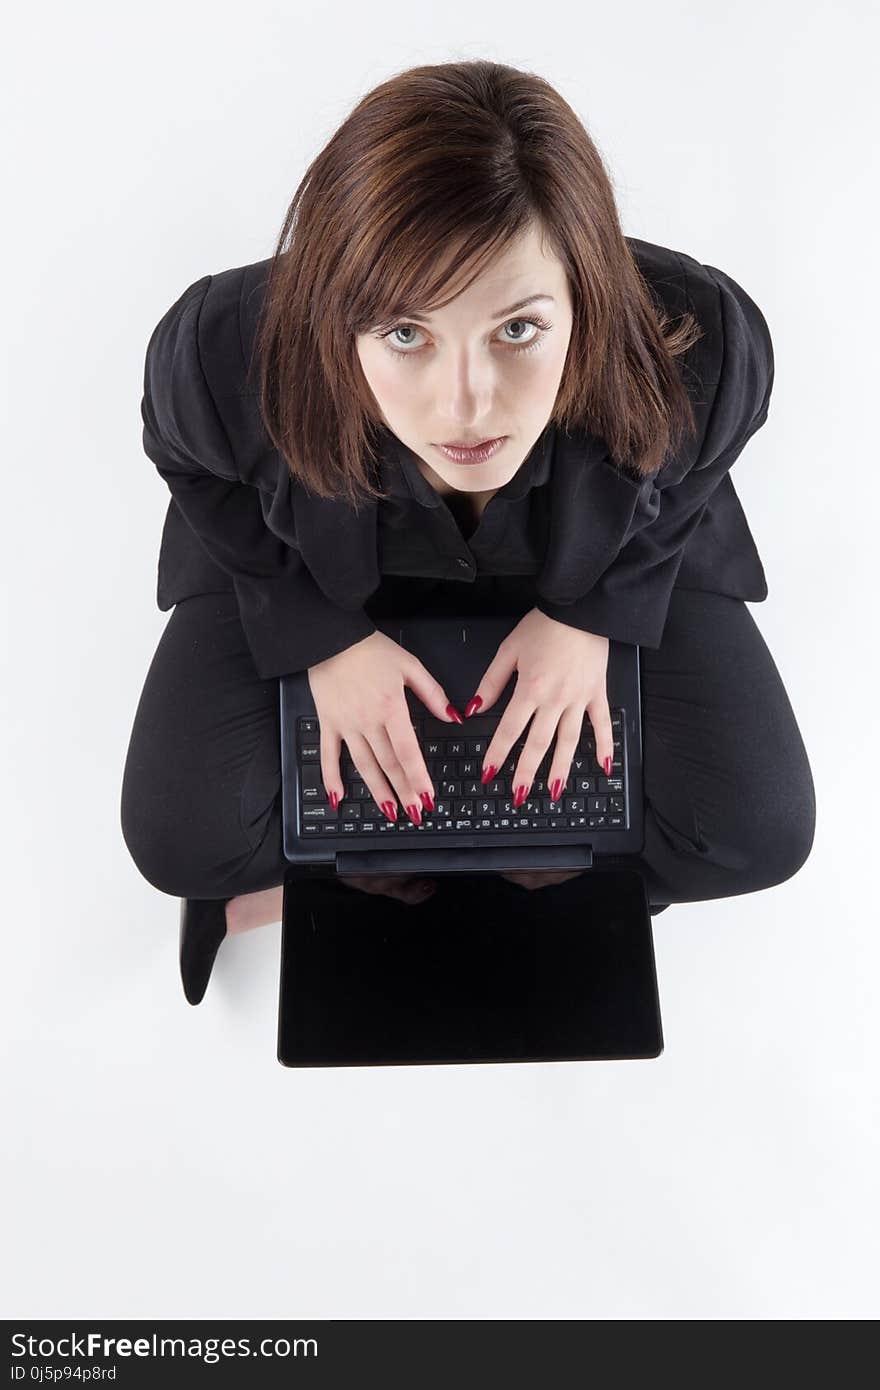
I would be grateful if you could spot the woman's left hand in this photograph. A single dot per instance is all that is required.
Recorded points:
(542, 878)
(561, 673)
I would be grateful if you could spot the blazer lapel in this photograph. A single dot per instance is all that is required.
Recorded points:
(338, 545)
(593, 505)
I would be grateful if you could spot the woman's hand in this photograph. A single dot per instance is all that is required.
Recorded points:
(360, 700)
(542, 878)
(408, 888)
(561, 672)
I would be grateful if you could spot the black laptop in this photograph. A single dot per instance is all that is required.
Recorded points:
(485, 970)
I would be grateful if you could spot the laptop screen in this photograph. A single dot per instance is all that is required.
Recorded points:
(483, 971)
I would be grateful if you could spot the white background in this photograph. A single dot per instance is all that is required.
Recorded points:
(159, 1162)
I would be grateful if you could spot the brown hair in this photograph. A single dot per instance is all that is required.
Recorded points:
(443, 166)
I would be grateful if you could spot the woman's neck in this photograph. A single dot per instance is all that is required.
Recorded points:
(468, 501)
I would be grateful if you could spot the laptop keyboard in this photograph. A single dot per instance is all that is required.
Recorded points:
(462, 803)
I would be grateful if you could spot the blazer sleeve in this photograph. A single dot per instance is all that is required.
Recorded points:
(630, 600)
(288, 621)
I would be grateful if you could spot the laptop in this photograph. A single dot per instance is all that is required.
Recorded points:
(485, 970)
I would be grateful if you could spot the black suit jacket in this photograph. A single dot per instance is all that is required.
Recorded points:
(302, 567)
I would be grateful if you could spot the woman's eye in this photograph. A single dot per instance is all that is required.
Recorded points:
(401, 328)
(517, 344)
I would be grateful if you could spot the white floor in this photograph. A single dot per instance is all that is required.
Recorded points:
(161, 1163)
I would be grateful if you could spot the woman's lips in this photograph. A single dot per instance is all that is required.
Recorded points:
(477, 455)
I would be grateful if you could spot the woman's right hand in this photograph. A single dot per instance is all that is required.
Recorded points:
(408, 888)
(359, 698)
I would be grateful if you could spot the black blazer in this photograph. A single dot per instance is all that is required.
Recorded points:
(302, 567)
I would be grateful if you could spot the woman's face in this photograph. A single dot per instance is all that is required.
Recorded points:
(472, 371)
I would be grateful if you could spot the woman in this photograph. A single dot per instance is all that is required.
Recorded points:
(452, 271)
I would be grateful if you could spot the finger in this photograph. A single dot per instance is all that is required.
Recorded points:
(541, 733)
(391, 764)
(430, 691)
(600, 718)
(418, 784)
(371, 775)
(330, 774)
(494, 679)
(567, 738)
(516, 716)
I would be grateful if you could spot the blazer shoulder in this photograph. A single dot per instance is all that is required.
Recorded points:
(729, 371)
(727, 314)
(740, 348)
(194, 374)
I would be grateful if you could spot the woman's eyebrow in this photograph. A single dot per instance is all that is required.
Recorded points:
(499, 313)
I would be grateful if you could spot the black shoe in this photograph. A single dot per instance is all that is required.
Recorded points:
(202, 929)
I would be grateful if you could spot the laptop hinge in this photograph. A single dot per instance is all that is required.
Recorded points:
(443, 860)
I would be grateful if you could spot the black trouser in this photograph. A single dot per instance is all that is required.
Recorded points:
(730, 804)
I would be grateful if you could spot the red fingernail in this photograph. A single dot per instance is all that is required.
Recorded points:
(473, 706)
(608, 765)
(414, 814)
(488, 773)
(520, 795)
(390, 810)
(427, 800)
(454, 714)
(334, 800)
(556, 789)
